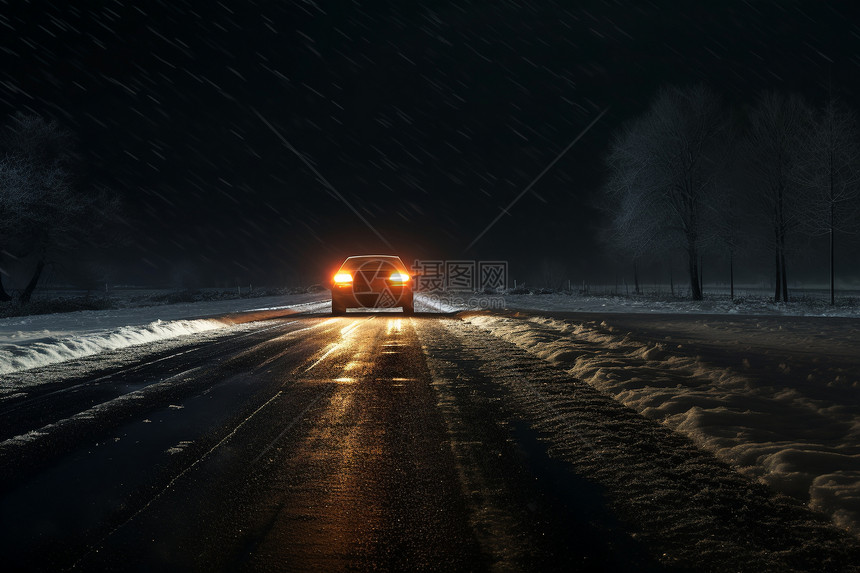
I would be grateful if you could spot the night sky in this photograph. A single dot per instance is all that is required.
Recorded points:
(427, 117)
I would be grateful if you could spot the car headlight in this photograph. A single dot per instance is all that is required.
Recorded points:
(399, 278)
(342, 279)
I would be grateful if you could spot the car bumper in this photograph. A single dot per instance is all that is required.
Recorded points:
(390, 298)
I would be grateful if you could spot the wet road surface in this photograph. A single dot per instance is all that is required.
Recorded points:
(366, 442)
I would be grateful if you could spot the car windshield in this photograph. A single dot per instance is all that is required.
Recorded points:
(373, 262)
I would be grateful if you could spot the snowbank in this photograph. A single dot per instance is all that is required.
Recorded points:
(33, 341)
(800, 436)
(51, 349)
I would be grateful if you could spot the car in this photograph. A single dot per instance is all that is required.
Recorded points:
(372, 281)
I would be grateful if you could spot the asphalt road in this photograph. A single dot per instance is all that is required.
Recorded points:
(369, 442)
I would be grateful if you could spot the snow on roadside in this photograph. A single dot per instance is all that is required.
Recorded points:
(51, 350)
(755, 304)
(798, 444)
(21, 329)
(33, 341)
(428, 302)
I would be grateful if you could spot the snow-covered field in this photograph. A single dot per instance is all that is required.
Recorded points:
(748, 302)
(758, 303)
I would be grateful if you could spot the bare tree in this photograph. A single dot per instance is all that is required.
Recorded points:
(635, 216)
(829, 176)
(40, 209)
(663, 168)
(42, 151)
(728, 231)
(15, 192)
(771, 150)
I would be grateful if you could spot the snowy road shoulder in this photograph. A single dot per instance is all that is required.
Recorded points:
(798, 433)
(754, 303)
(32, 342)
(52, 349)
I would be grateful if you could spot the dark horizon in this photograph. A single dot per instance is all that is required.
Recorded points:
(427, 119)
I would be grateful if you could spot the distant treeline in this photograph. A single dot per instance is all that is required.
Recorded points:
(693, 174)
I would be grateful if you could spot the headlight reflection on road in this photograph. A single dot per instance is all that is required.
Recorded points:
(347, 330)
(346, 337)
(395, 328)
(395, 325)
(351, 365)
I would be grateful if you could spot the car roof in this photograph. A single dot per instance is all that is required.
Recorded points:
(391, 259)
(373, 257)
